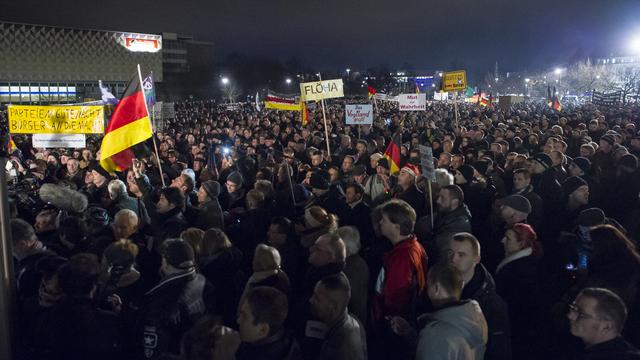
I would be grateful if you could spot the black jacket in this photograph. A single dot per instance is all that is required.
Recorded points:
(332, 201)
(345, 340)
(436, 240)
(535, 217)
(224, 271)
(280, 346)
(123, 202)
(415, 198)
(360, 217)
(210, 216)
(617, 348)
(167, 226)
(77, 329)
(482, 288)
(170, 308)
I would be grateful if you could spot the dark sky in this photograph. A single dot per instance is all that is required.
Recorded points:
(330, 34)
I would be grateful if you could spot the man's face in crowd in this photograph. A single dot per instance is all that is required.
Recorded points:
(202, 195)
(605, 147)
(593, 126)
(43, 223)
(275, 237)
(125, 227)
(461, 256)
(444, 160)
(445, 201)
(520, 181)
(86, 154)
(163, 205)
(321, 304)
(347, 164)
(456, 162)
(511, 216)
(352, 195)
(72, 166)
(178, 183)
(584, 322)
(387, 228)
(98, 179)
(574, 170)
(320, 253)
(316, 160)
(405, 180)
(231, 187)
(334, 175)
(248, 329)
(581, 195)
(172, 158)
(585, 152)
(361, 148)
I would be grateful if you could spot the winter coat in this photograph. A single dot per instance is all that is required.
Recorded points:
(76, 329)
(360, 217)
(280, 346)
(482, 289)
(617, 348)
(210, 216)
(518, 283)
(455, 332)
(445, 225)
(170, 308)
(357, 272)
(345, 340)
(415, 198)
(167, 226)
(124, 201)
(224, 271)
(537, 205)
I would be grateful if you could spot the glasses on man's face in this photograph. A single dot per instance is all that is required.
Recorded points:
(581, 314)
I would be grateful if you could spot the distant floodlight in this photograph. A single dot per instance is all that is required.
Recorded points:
(557, 71)
(288, 81)
(225, 80)
(634, 45)
(527, 80)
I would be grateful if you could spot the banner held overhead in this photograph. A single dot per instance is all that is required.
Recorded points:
(318, 90)
(358, 114)
(413, 102)
(26, 119)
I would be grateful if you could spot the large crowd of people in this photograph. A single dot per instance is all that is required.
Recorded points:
(246, 238)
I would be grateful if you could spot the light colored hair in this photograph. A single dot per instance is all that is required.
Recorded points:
(443, 177)
(116, 188)
(266, 258)
(351, 238)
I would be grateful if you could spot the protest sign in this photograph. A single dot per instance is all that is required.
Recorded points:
(454, 80)
(413, 102)
(426, 162)
(319, 90)
(385, 97)
(56, 119)
(59, 141)
(358, 114)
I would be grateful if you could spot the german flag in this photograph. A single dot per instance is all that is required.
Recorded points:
(129, 125)
(304, 113)
(555, 104)
(393, 152)
(371, 91)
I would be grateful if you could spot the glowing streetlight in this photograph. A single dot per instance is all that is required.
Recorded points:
(557, 71)
(527, 80)
(634, 45)
(288, 81)
(225, 80)
(496, 79)
(439, 74)
(348, 71)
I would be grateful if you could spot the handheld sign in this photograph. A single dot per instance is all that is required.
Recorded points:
(319, 90)
(412, 102)
(426, 162)
(358, 114)
(56, 119)
(454, 80)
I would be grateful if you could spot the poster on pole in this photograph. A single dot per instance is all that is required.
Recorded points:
(413, 102)
(59, 141)
(318, 90)
(454, 80)
(358, 114)
(385, 97)
(56, 119)
(426, 162)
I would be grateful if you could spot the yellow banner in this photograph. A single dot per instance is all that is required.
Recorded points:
(454, 80)
(56, 119)
(282, 106)
(319, 90)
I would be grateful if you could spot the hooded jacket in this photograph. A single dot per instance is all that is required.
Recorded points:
(458, 331)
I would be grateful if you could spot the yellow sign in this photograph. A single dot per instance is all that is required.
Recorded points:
(56, 119)
(454, 80)
(319, 90)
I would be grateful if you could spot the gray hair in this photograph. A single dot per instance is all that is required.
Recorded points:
(351, 237)
(116, 188)
(443, 177)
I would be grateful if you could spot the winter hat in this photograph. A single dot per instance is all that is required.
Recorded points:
(544, 160)
(318, 181)
(358, 170)
(236, 178)
(384, 162)
(483, 165)
(212, 188)
(100, 170)
(316, 216)
(591, 217)
(517, 203)
(583, 163)
(609, 138)
(629, 160)
(411, 169)
(467, 171)
(572, 184)
(178, 253)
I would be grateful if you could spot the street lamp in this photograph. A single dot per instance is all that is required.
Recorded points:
(225, 80)
(557, 71)
(439, 74)
(634, 45)
(527, 80)
(288, 81)
(348, 71)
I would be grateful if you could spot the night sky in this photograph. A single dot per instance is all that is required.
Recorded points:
(522, 35)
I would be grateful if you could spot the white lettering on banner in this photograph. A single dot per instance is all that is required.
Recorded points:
(412, 102)
(385, 97)
(358, 114)
(319, 90)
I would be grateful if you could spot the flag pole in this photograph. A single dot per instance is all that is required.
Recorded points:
(430, 201)
(455, 106)
(7, 278)
(326, 129)
(153, 134)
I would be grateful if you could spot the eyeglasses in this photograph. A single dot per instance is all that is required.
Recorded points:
(581, 314)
